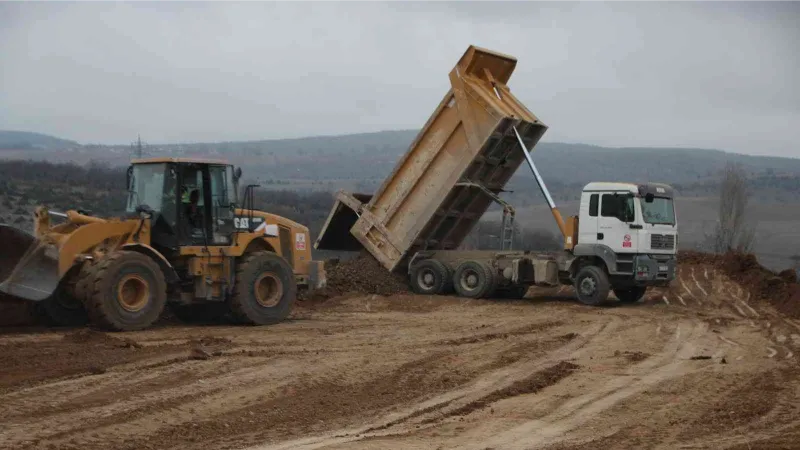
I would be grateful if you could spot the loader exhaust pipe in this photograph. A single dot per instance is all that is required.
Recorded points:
(28, 266)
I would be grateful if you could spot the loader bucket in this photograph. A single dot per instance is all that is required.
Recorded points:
(28, 267)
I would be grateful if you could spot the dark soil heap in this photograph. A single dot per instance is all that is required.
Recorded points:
(360, 275)
(779, 289)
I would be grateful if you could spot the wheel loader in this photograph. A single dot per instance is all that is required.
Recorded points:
(184, 243)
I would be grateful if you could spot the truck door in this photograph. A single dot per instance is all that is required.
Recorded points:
(613, 226)
(587, 230)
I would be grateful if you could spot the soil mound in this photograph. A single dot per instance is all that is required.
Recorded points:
(781, 290)
(360, 275)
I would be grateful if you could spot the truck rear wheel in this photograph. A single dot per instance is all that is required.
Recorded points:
(473, 279)
(265, 289)
(631, 294)
(430, 277)
(128, 293)
(592, 285)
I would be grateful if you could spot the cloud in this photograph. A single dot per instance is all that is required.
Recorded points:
(709, 74)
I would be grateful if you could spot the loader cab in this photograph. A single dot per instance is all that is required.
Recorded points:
(191, 201)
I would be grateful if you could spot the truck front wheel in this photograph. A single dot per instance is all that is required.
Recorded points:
(592, 285)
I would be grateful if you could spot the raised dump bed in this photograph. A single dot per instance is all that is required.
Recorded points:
(454, 169)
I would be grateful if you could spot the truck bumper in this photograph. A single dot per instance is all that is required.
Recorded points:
(654, 271)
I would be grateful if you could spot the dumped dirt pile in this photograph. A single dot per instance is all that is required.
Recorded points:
(781, 290)
(360, 275)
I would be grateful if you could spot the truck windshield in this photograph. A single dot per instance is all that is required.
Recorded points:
(146, 186)
(659, 211)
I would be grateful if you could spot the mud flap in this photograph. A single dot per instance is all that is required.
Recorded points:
(28, 267)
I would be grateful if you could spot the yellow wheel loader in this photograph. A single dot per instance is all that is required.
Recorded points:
(185, 243)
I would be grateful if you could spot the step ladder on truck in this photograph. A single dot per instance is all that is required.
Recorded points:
(624, 237)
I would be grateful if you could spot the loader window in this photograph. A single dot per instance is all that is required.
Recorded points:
(146, 186)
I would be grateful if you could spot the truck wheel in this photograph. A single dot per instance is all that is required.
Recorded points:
(265, 289)
(128, 292)
(430, 277)
(630, 295)
(473, 279)
(592, 286)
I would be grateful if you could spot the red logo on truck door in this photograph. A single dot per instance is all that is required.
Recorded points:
(627, 241)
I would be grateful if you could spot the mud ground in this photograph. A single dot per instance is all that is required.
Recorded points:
(705, 364)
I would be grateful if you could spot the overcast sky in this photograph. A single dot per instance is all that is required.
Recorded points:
(710, 74)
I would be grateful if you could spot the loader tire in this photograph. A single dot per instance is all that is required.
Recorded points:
(265, 289)
(128, 292)
(62, 310)
(474, 279)
(430, 277)
(592, 285)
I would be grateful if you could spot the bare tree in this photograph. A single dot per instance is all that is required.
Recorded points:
(732, 232)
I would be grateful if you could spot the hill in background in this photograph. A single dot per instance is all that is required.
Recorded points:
(299, 176)
(24, 140)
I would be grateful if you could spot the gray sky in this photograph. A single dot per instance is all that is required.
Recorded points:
(710, 74)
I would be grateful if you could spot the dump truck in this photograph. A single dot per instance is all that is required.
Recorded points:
(185, 242)
(623, 239)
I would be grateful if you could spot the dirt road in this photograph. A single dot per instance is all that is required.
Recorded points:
(700, 366)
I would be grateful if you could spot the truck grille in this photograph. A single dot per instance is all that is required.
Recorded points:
(662, 241)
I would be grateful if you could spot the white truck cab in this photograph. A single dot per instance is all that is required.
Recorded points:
(631, 229)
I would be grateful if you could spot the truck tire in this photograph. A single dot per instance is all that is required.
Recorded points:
(592, 285)
(128, 292)
(473, 279)
(430, 277)
(265, 289)
(631, 294)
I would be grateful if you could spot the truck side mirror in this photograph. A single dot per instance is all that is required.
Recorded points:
(237, 173)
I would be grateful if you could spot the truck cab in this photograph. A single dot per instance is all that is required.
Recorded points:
(629, 228)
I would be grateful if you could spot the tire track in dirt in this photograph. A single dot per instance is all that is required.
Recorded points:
(426, 413)
(672, 362)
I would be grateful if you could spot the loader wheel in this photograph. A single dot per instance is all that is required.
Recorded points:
(430, 277)
(265, 289)
(62, 310)
(592, 286)
(630, 295)
(473, 279)
(128, 293)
